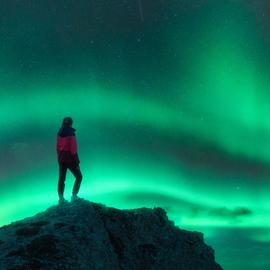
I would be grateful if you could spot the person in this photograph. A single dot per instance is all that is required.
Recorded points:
(68, 158)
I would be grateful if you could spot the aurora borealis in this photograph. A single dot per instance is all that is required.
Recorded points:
(170, 101)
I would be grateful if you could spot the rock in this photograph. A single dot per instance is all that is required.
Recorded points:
(89, 236)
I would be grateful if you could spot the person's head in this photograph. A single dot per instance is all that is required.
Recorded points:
(67, 122)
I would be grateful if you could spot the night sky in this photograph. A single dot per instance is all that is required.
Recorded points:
(171, 105)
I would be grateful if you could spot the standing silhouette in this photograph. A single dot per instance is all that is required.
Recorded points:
(66, 147)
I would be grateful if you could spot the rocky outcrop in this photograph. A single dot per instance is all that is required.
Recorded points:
(83, 236)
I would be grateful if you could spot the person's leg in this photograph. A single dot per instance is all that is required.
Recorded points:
(62, 178)
(78, 175)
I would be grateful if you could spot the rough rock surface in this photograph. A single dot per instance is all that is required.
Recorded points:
(84, 235)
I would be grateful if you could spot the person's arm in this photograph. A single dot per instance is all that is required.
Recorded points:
(74, 150)
(57, 145)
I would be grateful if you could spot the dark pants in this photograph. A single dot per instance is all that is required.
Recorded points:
(62, 177)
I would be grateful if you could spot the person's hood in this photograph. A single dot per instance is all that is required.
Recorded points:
(66, 131)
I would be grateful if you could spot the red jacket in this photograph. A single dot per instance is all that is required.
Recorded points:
(66, 146)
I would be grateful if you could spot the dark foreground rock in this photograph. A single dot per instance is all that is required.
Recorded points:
(84, 235)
